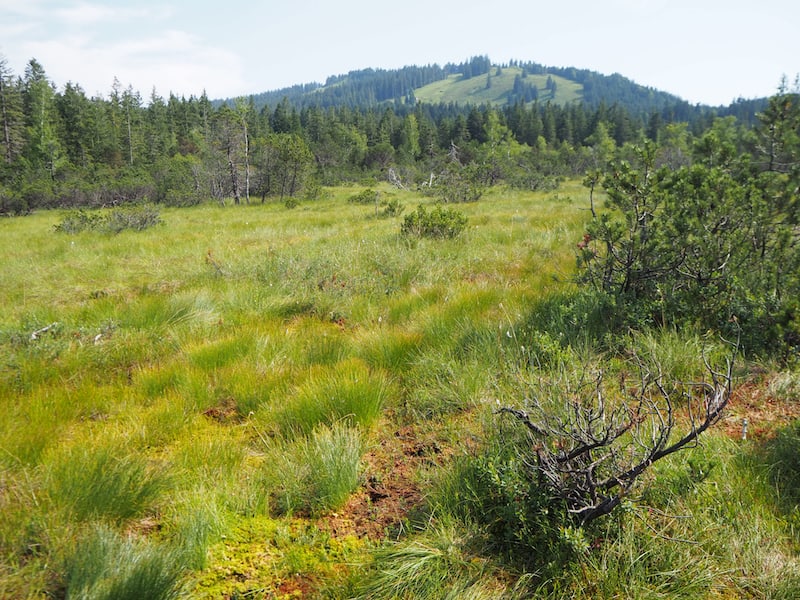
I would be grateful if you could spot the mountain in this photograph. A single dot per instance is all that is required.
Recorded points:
(479, 81)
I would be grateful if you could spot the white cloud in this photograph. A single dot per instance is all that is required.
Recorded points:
(171, 61)
(90, 42)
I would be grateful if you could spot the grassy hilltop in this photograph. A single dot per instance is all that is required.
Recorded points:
(474, 90)
(255, 402)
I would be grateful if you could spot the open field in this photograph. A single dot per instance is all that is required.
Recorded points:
(260, 402)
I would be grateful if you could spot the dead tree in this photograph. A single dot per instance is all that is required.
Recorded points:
(589, 445)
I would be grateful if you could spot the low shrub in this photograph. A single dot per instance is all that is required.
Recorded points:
(392, 208)
(367, 196)
(135, 218)
(492, 490)
(438, 223)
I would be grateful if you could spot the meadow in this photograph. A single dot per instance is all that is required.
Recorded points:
(262, 402)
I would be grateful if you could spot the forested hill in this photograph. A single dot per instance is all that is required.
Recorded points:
(62, 148)
(478, 81)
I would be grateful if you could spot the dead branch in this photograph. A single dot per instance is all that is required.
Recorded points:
(38, 333)
(588, 447)
(395, 179)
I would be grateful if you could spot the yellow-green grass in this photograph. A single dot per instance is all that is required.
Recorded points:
(175, 353)
(211, 357)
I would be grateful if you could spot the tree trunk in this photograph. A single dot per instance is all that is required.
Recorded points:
(6, 124)
(234, 177)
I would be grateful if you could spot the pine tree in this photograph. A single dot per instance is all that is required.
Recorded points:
(44, 148)
(13, 123)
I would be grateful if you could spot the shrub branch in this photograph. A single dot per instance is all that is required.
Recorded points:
(590, 453)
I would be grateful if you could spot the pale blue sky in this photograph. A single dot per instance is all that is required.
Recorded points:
(705, 51)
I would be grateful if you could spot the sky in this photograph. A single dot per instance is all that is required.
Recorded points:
(704, 51)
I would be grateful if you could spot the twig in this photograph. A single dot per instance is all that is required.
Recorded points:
(35, 335)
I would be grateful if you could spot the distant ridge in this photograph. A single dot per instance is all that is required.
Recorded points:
(480, 81)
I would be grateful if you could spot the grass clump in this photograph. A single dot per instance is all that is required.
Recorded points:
(347, 391)
(105, 565)
(103, 482)
(439, 564)
(320, 471)
(199, 522)
(783, 454)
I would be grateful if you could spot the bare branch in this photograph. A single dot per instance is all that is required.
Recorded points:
(590, 454)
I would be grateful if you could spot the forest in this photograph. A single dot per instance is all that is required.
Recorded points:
(372, 347)
(62, 148)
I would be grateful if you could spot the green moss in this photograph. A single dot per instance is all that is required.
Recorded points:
(276, 559)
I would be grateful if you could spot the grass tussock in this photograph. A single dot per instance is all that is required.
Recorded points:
(348, 391)
(318, 471)
(103, 482)
(106, 565)
(439, 564)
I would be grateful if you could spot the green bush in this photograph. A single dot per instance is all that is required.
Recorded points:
(12, 203)
(77, 221)
(438, 223)
(493, 491)
(392, 208)
(367, 196)
(135, 218)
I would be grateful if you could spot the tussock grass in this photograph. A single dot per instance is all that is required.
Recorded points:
(348, 391)
(158, 380)
(107, 566)
(318, 471)
(679, 357)
(34, 422)
(439, 564)
(163, 422)
(319, 343)
(102, 482)
(199, 521)
(437, 385)
(783, 454)
(785, 385)
(220, 353)
(209, 457)
(389, 348)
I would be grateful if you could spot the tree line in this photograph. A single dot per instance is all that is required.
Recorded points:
(63, 148)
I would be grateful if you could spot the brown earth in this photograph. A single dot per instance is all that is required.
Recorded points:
(765, 413)
(392, 490)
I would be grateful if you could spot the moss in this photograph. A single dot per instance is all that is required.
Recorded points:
(285, 558)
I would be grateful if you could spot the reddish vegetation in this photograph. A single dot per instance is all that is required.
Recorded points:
(765, 414)
(299, 586)
(223, 412)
